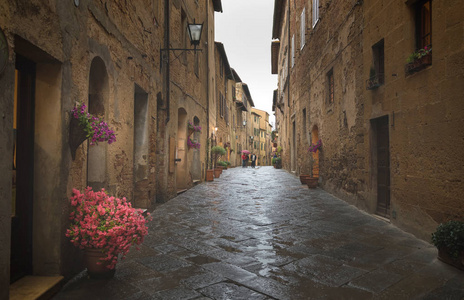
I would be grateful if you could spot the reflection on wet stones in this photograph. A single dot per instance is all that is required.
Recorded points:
(260, 235)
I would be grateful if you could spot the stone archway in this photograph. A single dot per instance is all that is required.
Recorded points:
(98, 100)
(315, 164)
(182, 176)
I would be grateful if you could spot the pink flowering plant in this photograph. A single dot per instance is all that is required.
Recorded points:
(316, 146)
(107, 223)
(192, 144)
(97, 130)
(419, 54)
(193, 127)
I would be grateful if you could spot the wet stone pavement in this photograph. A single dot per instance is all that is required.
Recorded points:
(260, 234)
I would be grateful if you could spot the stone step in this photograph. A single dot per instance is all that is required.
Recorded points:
(35, 287)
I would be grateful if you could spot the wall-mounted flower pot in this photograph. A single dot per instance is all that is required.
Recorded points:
(77, 135)
(210, 175)
(418, 64)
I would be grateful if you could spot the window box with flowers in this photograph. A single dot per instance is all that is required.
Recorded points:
(85, 126)
(105, 227)
(418, 60)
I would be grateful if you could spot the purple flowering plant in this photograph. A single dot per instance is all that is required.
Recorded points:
(192, 144)
(97, 129)
(193, 127)
(315, 147)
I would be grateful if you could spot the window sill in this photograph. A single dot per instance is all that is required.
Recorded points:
(418, 65)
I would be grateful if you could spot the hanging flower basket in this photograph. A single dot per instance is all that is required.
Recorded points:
(315, 147)
(192, 144)
(84, 125)
(77, 135)
(192, 128)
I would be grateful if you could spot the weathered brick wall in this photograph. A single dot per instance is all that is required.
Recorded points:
(336, 46)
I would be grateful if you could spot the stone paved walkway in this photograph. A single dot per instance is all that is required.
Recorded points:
(260, 234)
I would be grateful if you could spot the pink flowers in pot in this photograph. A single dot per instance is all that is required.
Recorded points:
(315, 147)
(193, 127)
(97, 130)
(103, 222)
(192, 144)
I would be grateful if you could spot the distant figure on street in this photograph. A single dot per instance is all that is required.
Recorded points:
(253, 160)
(244, 157)
(246, 160)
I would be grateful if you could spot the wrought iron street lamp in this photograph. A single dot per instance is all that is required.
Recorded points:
(194, 32)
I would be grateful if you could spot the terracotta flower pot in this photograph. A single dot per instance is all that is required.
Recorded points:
(304, 178)
(217, 172)
(210, 175)
(445, 257)
(95, 267)
(312, 182)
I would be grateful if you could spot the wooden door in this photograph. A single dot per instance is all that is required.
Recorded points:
(22, 173)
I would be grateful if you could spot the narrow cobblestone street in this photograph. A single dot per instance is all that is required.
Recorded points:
(260, 234)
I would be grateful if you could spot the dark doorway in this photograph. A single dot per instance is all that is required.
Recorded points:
(22, 173)
(382, 154)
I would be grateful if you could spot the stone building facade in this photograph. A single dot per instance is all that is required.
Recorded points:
(389, 130)
(107, 54)
(263, 150)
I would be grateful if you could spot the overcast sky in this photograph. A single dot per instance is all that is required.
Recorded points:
(245, 29)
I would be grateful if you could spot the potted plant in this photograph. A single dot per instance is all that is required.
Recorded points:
(192, 144)
(84, 126)
(105, 227)
(449, 240)
(216, 152)
(418, 60)
(277, 162)
(223, 164)
(192, 128)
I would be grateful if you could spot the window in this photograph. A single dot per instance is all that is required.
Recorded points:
(424, 24)
(379, 57)
(331, 87)
(303, 28)
(293, 50)
(315, 12)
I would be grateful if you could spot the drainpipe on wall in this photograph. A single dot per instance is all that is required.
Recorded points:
(167, 9)
(208, 152)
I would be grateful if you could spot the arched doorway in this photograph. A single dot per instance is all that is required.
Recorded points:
(98, 99)
(314, 139)
(196, 163)
(181, 151)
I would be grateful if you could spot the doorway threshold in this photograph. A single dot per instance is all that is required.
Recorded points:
(35, 287)
(382, 218)
(181, 191)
